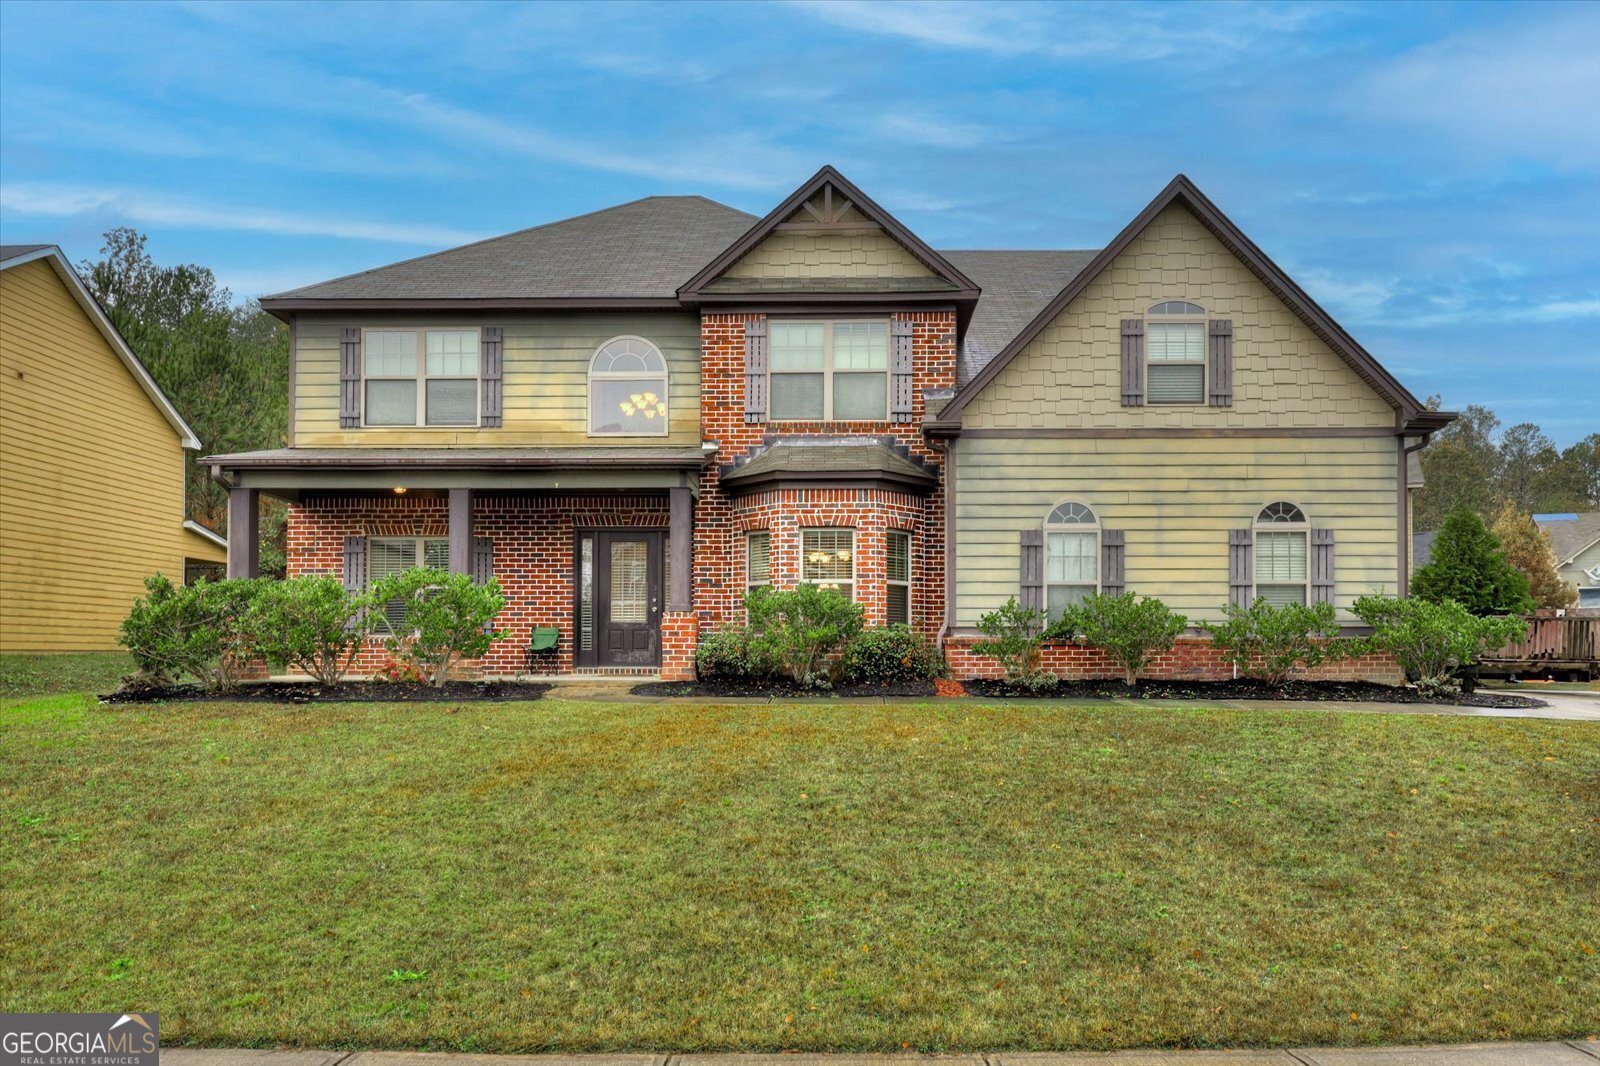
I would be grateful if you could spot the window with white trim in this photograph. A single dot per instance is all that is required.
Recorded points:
(828, 559)
(1282, 534)
(387, 556)
(758, 559)
(420, 377)
(1071, 556)
(829, 371)
(1175, 353)
(628, 389)
(898, 569)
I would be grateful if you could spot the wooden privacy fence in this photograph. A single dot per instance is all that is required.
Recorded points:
(1572, 642)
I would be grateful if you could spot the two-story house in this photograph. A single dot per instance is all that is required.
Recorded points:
(632, 417)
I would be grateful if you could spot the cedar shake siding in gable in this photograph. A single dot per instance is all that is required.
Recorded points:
(91, 476)
(829, 255)
(544, 388)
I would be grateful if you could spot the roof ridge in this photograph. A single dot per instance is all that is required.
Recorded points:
(497, 237)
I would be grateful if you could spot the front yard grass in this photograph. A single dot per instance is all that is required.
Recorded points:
(585, 876)
(38, 675)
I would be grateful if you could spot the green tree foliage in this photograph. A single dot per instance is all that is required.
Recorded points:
(1527, 548)
(1126, 627)
(1268, 642)
(1432, 641)
(1470, 567)
(225, 367)
(1459, 468)
(446, 618)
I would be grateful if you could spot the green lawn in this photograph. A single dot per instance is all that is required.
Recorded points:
(39, 675)
(598, 876)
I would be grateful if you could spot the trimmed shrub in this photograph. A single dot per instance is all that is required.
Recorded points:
(1469, 566)
(1433, 642)
(198, 631)
(890, 655)
(1127, 628)
(799, 628)
(727, 653)
(1267, 642)
(446, 618)
(1012, 636)
(311, 624)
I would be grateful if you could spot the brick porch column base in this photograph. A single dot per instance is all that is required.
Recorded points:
(680, 633)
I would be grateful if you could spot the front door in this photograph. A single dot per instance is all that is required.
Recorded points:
(627, 616)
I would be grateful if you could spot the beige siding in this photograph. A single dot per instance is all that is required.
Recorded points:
(91, 475)
(546, 380)
(1176, 498)
(828, 255)
(1284, 375)
(1587, 559)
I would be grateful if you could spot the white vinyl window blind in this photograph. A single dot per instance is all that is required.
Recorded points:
(387, 556)
(899, 578)
(436, 386)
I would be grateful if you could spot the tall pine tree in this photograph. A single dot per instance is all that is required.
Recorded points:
(1469, 566)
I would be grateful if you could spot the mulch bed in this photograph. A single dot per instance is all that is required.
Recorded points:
(346, 692)
(726, 687)
(1247, 689)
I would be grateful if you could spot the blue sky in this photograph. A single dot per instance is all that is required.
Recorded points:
(1430, 173)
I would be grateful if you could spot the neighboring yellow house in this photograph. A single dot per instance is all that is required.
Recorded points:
(91, 466)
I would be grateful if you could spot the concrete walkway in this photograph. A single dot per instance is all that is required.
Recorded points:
(1553, 1053)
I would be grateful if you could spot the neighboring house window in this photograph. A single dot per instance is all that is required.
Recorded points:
(758, 560)
(387, 556)
(899, 571)
(828, 559)
(434, 386)
(829, 371)
(628, 389)
(1281, 533)
(1175, 352)
(1071, 556)
(1589, 596)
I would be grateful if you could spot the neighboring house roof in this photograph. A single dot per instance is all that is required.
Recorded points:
(1016, 287)
(1422, 548)
(15, 255)
(829, 460)
(1413, 413)
(1570, 534)
(636, 251)
(205, 533)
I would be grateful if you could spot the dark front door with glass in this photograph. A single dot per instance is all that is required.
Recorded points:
(619, 587)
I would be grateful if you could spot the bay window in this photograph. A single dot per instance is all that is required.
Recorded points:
(828, 559)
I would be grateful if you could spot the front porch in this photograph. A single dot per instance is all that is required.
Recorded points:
(594, 557)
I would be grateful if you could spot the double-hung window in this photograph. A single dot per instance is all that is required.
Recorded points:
(387, 556)
(829, 371)
(420, 377)
(1175, 347)
(1281, 533)
(828, 559)
(1072, 556)
(758, 560)
(899, 578)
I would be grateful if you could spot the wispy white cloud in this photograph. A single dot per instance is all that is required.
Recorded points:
(153, 209)
(648, 67)
(933, 132)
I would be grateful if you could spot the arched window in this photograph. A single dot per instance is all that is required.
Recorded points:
(1071, 556)
(628, 389)
(1281, 535)
(1175, 351)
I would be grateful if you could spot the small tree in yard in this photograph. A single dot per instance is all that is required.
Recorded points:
(1527, 548)
(1469, 566)
(445, 618)
(1268, 642)
(1432, 642)
(1129, 629)
(198, 631)
(1012, 636)
(312, 624)
(800, 628)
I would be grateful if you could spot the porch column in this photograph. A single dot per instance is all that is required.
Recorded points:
(461, 531)
(681, 530)
(244, 532)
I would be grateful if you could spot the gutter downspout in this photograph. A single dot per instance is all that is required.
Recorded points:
(1404, 479)
(949, 446)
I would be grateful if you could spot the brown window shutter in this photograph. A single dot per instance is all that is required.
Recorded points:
(355, 568)
(1113, 544)
(900, 383)
(350, 378)
(1322, 580)
(492, 370)
(1241, 566)
(1221, 369)
(1032, 598)
(755, 370)
(1133, 362)
(482, 560)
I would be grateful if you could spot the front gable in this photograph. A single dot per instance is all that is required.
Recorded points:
(829, 239)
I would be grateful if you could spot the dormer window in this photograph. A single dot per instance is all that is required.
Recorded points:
(628, 389)
(1175, 339)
